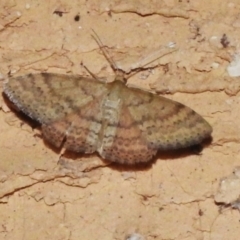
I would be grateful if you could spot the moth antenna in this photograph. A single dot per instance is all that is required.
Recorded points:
(121, 75)
(92, 74)
(104, 51)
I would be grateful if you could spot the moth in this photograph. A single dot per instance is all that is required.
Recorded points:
(124, 125)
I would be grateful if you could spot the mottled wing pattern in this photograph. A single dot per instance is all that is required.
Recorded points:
(167, 124)
(147, 123)
(124, 125)
(69, 108)
(123, 140)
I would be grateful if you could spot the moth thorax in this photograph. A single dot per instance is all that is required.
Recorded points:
(111, 109)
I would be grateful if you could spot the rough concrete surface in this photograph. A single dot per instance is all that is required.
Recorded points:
(44, 195)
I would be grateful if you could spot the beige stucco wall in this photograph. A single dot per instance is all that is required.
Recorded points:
(45, 197)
